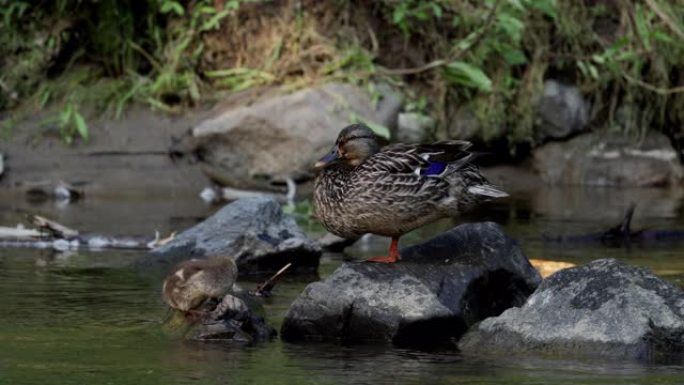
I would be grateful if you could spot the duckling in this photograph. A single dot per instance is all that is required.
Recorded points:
(363, 188)
(192, 282)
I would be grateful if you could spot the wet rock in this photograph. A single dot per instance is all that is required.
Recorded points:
(275, 137)
(563, 111)
(232, 320)
(254, 231)
(611, 160)
(432, 295)
(605, 308)
(413, 127)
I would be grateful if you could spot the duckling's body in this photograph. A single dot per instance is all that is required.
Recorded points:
(361, 188)
(192, 282)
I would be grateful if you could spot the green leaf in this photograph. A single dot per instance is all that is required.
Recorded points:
(214, 22)
(81, 126)
(169, 6)
(513, 56)
(467, 75)
(436, 10)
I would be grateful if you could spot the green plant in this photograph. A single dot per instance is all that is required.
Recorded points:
(71, 123)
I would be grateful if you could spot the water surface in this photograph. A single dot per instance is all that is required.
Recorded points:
(88, 318)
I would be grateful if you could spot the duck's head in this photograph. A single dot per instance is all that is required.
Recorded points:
(354, 144)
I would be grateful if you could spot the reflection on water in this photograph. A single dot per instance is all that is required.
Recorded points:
(88, 318)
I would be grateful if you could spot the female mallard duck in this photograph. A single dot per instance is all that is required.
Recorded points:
(362, 188)
(192, 282)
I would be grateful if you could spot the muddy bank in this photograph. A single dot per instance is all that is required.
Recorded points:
(129, 152)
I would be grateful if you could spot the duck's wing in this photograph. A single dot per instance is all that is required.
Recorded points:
(422, 159)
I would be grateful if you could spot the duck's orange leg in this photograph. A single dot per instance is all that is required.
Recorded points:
(393, 255)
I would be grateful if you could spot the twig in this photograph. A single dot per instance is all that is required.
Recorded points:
(441, 62)
(264, 289)
(666, 19)
(651, 87)
(54, 228)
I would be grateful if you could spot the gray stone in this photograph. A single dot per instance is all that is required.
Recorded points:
(431, 296)
(413, 127)
(254, 231)
(610, 160)
(464, 125)
(563, 111)
(602, 308)
(276, 137)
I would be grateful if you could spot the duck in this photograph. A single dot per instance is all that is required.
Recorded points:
(191, 283)
(361, 187)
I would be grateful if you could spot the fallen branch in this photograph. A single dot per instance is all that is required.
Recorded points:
(19, 233)
(50, 234)
(216, 194)
(56, 229)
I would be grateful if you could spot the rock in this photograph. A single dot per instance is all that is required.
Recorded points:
(333, 243)
(604, 307)
(611, 160)
(253, 231)
(252, 145)
(413, 127)
(430, 297)
(464, 125)
(231, 320)
(563, 111)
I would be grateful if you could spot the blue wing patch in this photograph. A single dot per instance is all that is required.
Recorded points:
(434, 168)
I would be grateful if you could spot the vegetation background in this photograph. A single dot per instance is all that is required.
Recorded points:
(81, 58)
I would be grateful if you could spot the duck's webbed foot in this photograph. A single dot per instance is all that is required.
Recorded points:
(393, 255)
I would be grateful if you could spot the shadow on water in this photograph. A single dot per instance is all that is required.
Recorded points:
(87, 317)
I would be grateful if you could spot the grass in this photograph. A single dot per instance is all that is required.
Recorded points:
(490, 57)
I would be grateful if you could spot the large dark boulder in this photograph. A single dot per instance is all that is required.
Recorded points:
(431, 296)
(610, 160)
(255, 232)
(603, 308)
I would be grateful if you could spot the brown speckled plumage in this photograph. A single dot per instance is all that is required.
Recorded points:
(365, 189)
(192, 282)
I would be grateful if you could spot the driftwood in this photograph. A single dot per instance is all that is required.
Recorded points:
(217, 194)
(49, 234)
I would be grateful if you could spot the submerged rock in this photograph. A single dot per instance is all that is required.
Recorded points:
(432, 295)
(255, 143)
(612, 160)
(603, 308)
(255, 232)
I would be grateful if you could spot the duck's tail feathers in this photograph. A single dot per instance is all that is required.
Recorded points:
(487, 191)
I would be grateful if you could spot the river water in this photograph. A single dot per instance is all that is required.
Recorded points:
(89, 318)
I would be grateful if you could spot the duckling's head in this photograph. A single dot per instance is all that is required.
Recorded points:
(354, 144)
